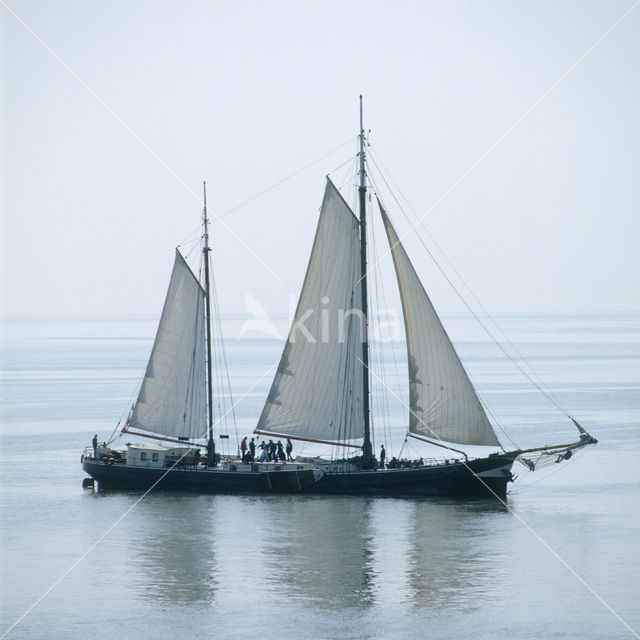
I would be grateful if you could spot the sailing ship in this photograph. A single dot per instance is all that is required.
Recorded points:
(320, 392)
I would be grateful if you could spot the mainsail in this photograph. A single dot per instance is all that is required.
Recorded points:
(443, 402)
(172, 398)
(317, 391)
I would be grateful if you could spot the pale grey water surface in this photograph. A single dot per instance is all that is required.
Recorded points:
(180, 565)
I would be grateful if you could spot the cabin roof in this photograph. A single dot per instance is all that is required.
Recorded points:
(146, 447)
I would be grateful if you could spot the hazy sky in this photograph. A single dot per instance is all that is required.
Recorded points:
(243, 94)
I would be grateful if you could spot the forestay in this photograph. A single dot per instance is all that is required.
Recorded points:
(317, 390)
(172, 399)
(443, 402)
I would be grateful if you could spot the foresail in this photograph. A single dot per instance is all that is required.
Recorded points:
(443, 402)
(172, 399)
(317, 390)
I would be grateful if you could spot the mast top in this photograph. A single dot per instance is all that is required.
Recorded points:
(205, 220)
(361, 136)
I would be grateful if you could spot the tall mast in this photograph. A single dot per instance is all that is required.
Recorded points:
(367, 453)
(211, 448)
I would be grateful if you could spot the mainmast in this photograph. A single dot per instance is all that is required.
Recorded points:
(367, 453)
(211, 447)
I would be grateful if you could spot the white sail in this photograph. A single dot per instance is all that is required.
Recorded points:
(317, 390)
(443, 402)
(172, 399)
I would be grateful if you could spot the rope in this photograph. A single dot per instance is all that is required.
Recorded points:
(379, 352)
(222, 353)
(482, 400)
(522, 487)
(539, 384)
(197, 232)
(283, 180)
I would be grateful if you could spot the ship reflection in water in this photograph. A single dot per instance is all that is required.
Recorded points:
(323, 553)
(173, 555)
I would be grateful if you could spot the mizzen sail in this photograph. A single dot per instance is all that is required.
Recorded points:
(443, 402)
(172, 398)
(317, 390)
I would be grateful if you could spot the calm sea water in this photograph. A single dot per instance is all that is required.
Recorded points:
(562, 561)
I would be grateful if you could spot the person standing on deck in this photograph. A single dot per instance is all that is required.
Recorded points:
(252, 450)
(243, 447)
(94, 442)
(383, 455)
(289, 449)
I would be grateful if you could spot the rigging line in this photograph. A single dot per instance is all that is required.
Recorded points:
(216, 307)
(220, 386)
(188, 254)
(462, 280)
(435, 434)
(532, 108)
(540, 388)
(446, 258)
(395, 361)
(379, 353)
(247, 248)
(132, 399)
(522, 485)
(377, 191)
(122, 517)
(349, 160)
(493, 415)
(190, 236)
(350, 173)
(482, 400)
(404, 444)
(215, 325)
(539, 538)
(283, 180)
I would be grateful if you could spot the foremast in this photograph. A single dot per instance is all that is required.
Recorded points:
(367, 453)
(211, 448)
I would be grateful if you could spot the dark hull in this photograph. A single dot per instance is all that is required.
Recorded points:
(122, 476)
(485, 477)
(458, 480)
